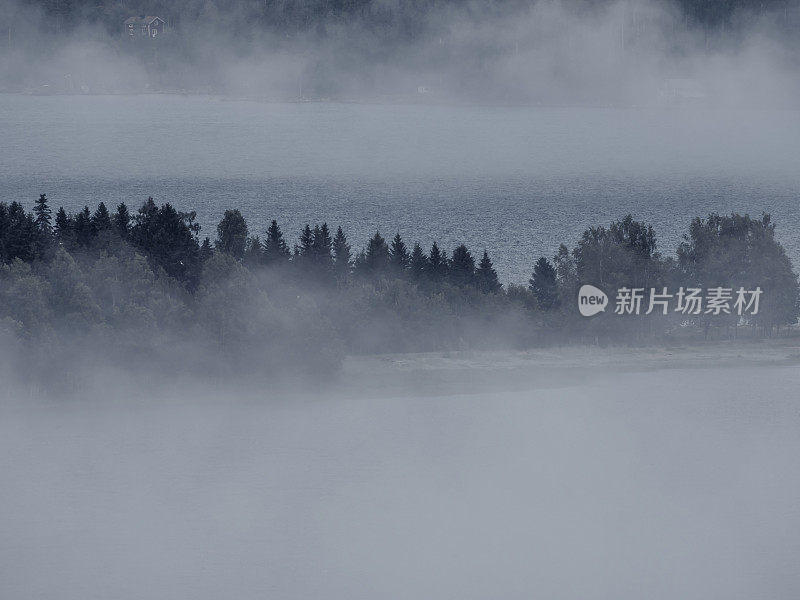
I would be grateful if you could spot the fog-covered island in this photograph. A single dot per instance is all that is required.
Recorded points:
(122, 287)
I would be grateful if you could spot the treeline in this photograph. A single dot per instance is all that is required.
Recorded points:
(256, 303)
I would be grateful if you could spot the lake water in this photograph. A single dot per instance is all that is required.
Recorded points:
(515, 180)
(689, 490)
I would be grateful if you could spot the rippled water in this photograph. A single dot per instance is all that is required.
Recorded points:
(516, 180)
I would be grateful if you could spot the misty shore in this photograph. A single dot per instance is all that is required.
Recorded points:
(474, 372)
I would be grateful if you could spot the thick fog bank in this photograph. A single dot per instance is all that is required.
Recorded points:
(662, 484)
(624, 52)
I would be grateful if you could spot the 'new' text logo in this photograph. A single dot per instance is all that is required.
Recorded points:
(591, 300)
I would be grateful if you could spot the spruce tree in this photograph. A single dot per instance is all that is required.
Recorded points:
(323, 245)
(399, 259)
(275, 248)
(101, 219)
(462, 267)
(486, 276)
(376, 256)
(122, 221)
(43, 216)
(544, 285)
(84, 228)
(3, 230)
(306, 245)
(44, 229)
(418, 267)
(341, 254)
(21, 233)
(63, 227)
(437, 264)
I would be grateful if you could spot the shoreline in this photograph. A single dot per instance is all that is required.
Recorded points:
(479, 372)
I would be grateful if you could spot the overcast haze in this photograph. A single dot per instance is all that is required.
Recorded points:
(291, 417)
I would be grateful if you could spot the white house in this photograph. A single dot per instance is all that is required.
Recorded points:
(144, 26)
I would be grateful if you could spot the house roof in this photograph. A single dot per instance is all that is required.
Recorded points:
(142, 20)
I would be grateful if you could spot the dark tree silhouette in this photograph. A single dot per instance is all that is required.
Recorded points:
(462, 267)
(437, 264)
(486, 276)
(418, 267)
(342, 256)
(44, 228)
(19, 233)
(253, 252)
(84, 228)
(43, 216)
(306, 245)
(122, 221)
(168, 238)
(101, 219)
(322, 245)
(275, 248)
(64, 225)
(375, 259)
(399, 259)
(206, 250)
(232, 234)
(543, 284)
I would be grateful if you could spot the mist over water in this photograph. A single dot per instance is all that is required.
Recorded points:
(146, 462)
(659, 484)
(517, 180)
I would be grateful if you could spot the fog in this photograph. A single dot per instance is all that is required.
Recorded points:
(185, 421)
(658, 483)
(622, 53)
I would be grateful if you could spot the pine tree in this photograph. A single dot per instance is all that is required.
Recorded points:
(4, 224)
(101, 220)
(275, 248)
(21, 233)
(232, 234)
(63, 227)
(437, 264)
(43, 216)
(44, 229)
(322, 245)
(544, 285)
(486, 276)
(306, 245)
(462, 267)
(84, 228)
(342, 255)
(418, 263)
(122, 221)
(399, 258)
(375, 258)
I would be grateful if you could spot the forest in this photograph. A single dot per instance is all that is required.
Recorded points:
(144, 288)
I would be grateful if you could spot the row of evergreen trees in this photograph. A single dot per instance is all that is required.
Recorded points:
(331, 256)
(169, 239)
(717, 251)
